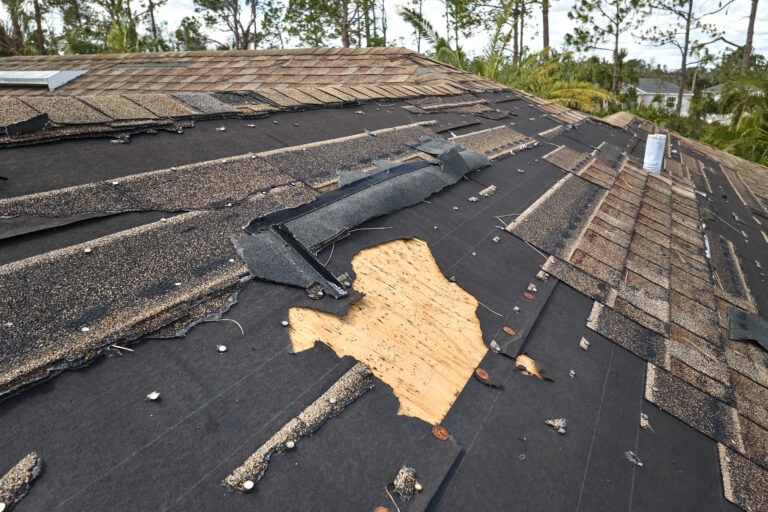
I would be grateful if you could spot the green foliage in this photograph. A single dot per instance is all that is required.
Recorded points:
(600, 24)
(442, 50)
(544, 78)
(190, 35)
(308, 21)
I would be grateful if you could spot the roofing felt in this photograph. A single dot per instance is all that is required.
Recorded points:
(661, 408)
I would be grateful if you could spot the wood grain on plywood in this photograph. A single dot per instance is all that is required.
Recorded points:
(417, 331)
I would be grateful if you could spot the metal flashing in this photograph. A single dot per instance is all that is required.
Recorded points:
(52, 79)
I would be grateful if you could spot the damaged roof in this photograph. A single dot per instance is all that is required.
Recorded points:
(377, 279)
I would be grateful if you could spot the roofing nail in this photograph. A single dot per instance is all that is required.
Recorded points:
(248, 485)
(221, 348)
(633, 458)
(85, 329)
(154, 395)
(440, 432)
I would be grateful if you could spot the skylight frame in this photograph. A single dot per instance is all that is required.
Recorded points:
(52, 79)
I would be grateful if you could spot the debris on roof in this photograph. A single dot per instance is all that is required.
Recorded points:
(346, 390)
(381, 203)
(15, 484)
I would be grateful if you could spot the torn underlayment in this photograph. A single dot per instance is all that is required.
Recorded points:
(346, 390)
(282, 246)
(16, 483)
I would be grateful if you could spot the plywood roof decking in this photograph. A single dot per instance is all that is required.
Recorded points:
(416, 330)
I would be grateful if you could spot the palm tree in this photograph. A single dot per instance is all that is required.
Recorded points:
(541, 77)
(442, 50)
(746, 98)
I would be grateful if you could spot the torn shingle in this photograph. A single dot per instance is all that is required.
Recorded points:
(351, 386)
(566, 158)
(15, 484)
(66, 111)
(554, 222)
(746, 326)
(701, 411)
(643, 342)
(744, 482)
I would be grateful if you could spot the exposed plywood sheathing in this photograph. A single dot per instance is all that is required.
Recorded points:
(417, 331)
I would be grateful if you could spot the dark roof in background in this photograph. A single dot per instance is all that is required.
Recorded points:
(658, 86)
(563, 239)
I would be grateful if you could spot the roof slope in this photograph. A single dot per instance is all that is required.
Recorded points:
(658, 86)
(563, 315)
(237, 70)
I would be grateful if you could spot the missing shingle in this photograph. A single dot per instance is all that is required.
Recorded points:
(417, 331)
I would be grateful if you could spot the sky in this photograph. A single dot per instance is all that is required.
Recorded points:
(733, 22)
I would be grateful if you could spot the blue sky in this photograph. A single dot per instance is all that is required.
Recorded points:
(733, 24)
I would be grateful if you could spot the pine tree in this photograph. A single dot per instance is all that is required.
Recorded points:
(604, 21)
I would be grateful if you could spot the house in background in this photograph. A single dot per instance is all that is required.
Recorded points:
(664, 94)
(716, 92)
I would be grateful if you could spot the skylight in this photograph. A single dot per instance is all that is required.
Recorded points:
(50, 79)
